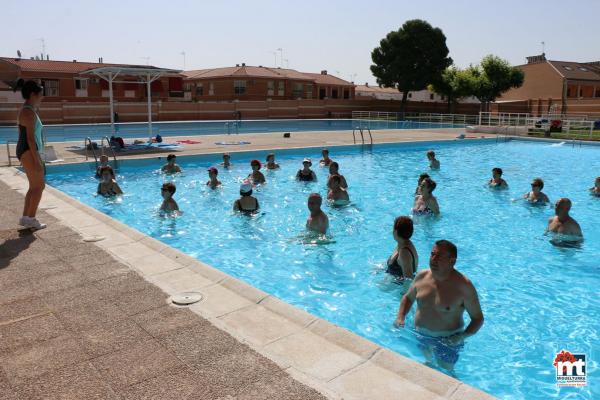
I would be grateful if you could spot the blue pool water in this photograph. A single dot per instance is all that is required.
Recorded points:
(537, 298)
(61, 133)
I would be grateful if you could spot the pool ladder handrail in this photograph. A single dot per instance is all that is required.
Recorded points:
(232, 124)
(8, 143)
(88, 141)
(362, 137)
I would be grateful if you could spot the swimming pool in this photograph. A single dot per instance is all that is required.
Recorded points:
(62, 133)
(537, 299)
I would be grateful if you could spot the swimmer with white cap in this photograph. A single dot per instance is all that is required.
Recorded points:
(246, 203)
(306, 174)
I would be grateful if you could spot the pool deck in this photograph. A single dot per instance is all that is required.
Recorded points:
(263, 141)
(92, 319)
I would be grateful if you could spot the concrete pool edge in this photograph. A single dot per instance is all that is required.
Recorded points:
(322, 355)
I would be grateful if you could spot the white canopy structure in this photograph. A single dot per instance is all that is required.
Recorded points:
(145, 74)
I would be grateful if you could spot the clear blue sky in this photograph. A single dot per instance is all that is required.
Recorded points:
(333, 35)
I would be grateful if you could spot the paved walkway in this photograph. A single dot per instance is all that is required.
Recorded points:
(77, 324)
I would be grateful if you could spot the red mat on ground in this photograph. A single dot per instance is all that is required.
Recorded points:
(188, 141)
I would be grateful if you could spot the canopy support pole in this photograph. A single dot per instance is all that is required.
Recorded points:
(149, 94)
(112, 106)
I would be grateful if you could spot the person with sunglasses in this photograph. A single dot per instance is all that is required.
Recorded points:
(536, 196)
(169, 204)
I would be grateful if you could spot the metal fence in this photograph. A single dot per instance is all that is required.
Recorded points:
(454, 119)
(559, 127)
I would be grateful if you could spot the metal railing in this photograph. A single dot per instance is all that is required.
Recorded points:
(8, 155)
(570, 129)
(362, 136)
(454, 119)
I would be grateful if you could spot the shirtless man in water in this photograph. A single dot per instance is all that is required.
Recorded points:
(562, 222)
(317, 221)
(442, 294)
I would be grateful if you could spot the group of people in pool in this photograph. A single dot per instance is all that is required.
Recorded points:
(246, 203)
(561, 223)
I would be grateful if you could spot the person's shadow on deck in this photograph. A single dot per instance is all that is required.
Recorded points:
(12, 243)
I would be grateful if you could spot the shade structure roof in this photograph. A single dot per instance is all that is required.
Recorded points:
(133, 70)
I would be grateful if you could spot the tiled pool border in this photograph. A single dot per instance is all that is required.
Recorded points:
(318, 353)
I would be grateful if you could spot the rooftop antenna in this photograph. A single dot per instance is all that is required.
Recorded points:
(43, 47)
(287, 63)
(147, 58)
(280, 50)
(183, 54)
(19, 53)
(275, 54)
(543, 47)
(352, 76)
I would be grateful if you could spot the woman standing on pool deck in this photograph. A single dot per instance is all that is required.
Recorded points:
(28, 151)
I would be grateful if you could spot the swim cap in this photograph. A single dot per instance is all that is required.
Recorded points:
(256, 162)
(307, 160)
(246, 187)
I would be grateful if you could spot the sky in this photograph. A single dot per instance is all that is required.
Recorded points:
(337, 36)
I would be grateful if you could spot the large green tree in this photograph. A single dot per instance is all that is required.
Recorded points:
(492, 77)
(410, 58)
(453, 84)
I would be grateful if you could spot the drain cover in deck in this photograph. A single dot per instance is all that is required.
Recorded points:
(186, 298)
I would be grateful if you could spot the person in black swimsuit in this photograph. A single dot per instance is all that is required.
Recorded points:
(246, 203)
(29, 146)
(306, 174)
(404, 260)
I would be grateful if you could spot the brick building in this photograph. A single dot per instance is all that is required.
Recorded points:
(383, 93)
(555, 87)
(248, 83)
(63, 81)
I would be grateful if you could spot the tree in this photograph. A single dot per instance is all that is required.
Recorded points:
(493, 77)
(453, 84)
(410, 58)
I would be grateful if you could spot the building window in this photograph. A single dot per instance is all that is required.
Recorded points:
(297, 93)
(50, 88)
(270, 88)
(211, 89)
(430, 96)
(583, 69)
(443, 98)
(334, 93)
(239, 87)
(281, 91)
(81, 84)
(410, 95)
(597, 94)
(568, 92)
(187, 87)
(346, 94)
(130, 93)
(199, 89)
(308, 88)
(567, 68)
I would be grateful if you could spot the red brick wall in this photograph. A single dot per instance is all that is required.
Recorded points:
(257, 89)
(541, 80)
(88, 112)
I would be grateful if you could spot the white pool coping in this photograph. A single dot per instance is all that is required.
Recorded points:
(322, 355)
